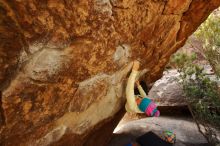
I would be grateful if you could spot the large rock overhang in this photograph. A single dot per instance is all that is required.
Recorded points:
(63, 64)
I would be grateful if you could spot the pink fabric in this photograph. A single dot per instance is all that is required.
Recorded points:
(157, 114)
(150, 109)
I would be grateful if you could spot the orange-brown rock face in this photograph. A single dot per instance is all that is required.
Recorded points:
(64, 63)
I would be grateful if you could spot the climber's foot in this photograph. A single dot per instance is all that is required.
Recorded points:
(136, 65)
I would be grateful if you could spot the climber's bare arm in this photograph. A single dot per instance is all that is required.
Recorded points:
(140, 89)
(142, 73)
(131, 102)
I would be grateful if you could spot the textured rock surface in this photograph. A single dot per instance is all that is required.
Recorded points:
(187, 133)
(63, 63)
(167, 91)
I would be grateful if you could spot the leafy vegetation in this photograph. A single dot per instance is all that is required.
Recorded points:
(202, 95)
(209, 33)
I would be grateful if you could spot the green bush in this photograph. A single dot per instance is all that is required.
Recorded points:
(201, 93)
(209, 33)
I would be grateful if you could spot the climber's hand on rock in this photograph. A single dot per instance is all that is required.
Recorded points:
(137, 83)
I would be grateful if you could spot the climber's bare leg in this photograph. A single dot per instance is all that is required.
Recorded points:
(140, 89)
(131, 104)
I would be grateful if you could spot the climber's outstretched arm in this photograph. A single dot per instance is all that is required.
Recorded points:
(140, 89)
(141, 73)
(131, 105)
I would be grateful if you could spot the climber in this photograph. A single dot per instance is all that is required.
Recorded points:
(138, 103)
